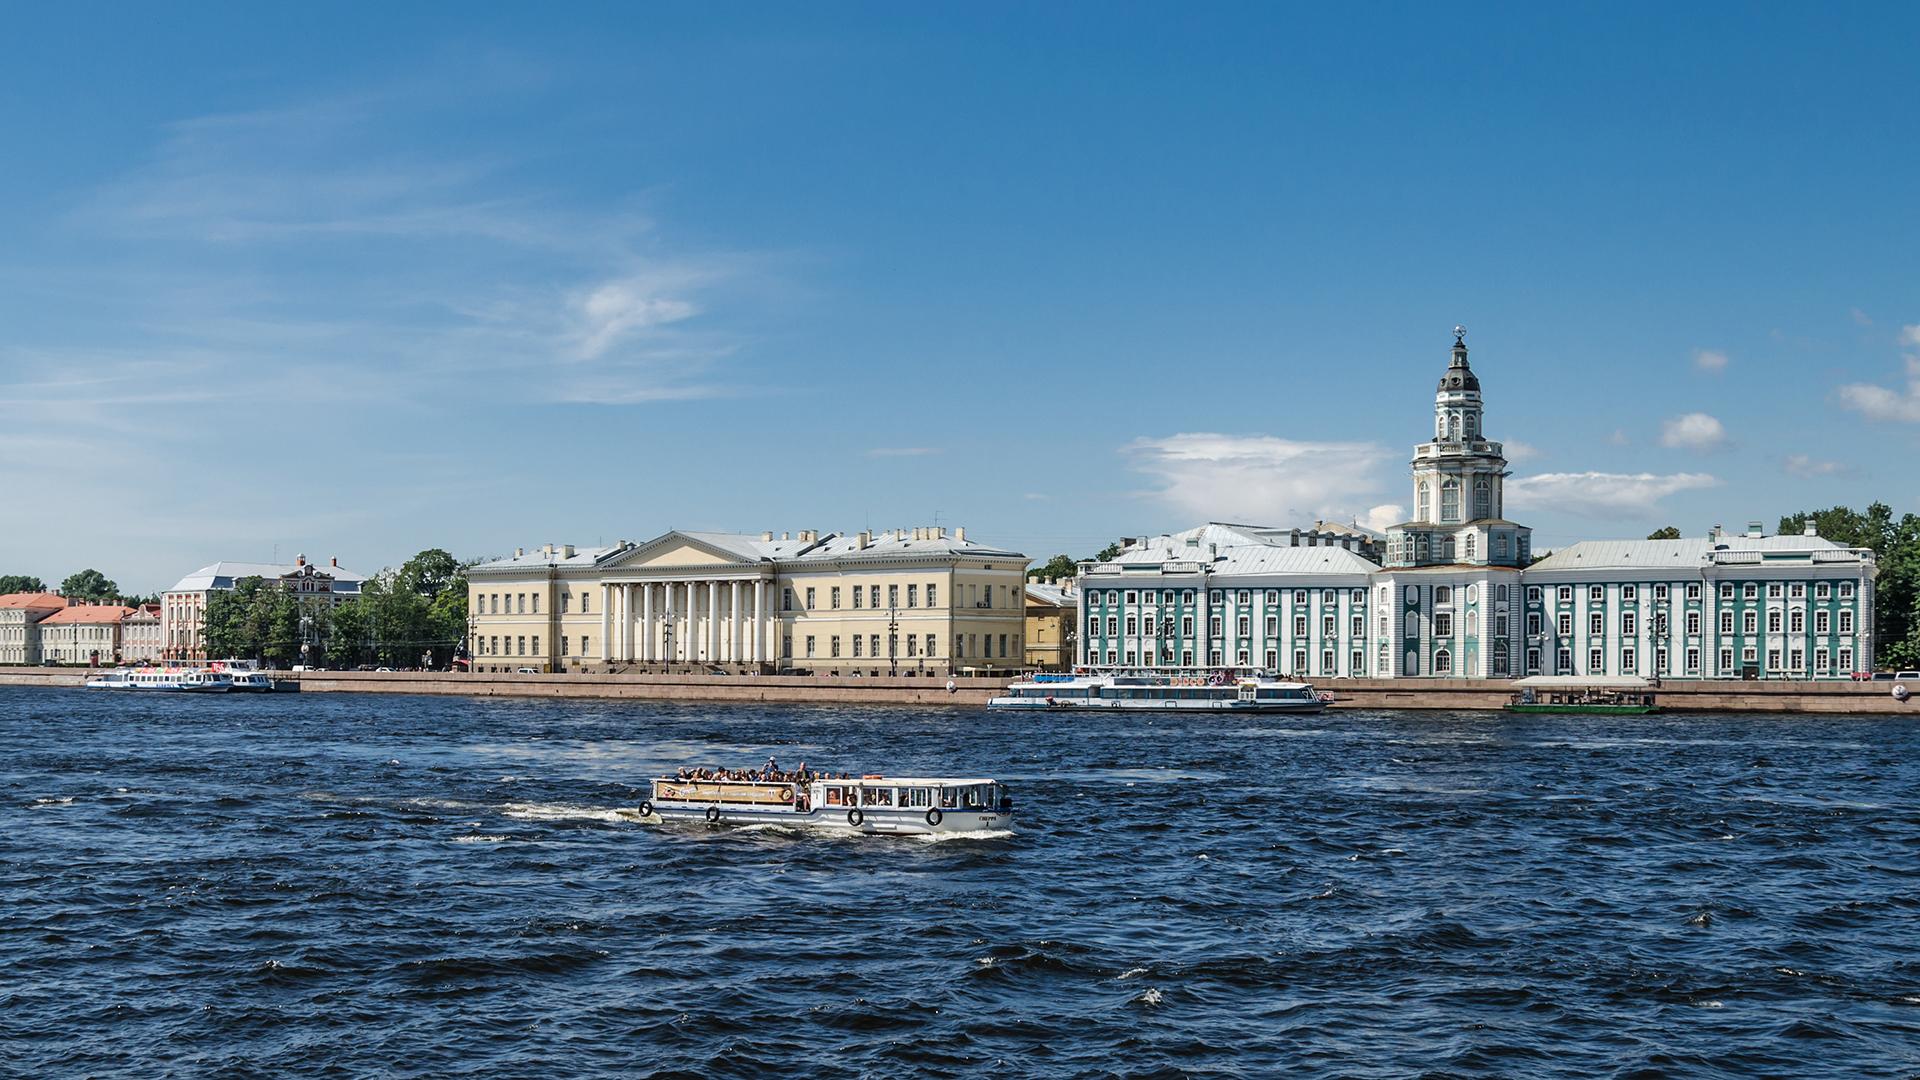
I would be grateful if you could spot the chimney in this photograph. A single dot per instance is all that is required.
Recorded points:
(863, 541)
(1811, 529)
(566, 551)
(547, 550)
(783, 534)
(767, 536)
(960, 534)
(940, 532)
(1755, 530)
(518, 552)
(299, 560)
(335, 561)
(1714, 533)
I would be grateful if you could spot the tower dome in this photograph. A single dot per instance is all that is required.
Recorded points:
(1459, 376)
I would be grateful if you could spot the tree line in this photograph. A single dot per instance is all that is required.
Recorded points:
(88, 585)
(413, 616)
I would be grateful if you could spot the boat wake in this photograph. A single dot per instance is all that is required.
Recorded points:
(563, 812)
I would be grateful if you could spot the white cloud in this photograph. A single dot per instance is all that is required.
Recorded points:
(1258, 477)
(1860, 318)
(1879, 403)
(1598, 494)
(1712, 360)
(617, 309)
(1619, 437)
(1383, 517)
(1518, 451)
(1910, 335)
(1803, 466)
(1693, 431)
(902, 451)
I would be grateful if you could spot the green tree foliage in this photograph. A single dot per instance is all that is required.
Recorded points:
(1895, 544)
(1668, 533)
(258, 620)
(90, 585)
(1060, 566)
(1109, 553)
(13, 583)
(411, 617)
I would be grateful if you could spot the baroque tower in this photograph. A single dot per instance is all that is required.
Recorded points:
(1458, 485)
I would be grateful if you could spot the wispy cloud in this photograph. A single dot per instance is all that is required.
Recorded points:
(1259, 477)
(902, 451)
(1518, 451)
(1860, 318)
(1383, 517)
(1601, 494)
(1806, 467)
(1693, 431)
(1877, 402)
(1712, 361)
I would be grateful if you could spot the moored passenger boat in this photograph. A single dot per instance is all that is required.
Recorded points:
(1617, 695)
(899, 805)
(176, 680)
(1214, 689)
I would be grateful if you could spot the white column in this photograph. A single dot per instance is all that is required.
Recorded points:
(646, 621)
(733, 623)
(713, 621)
(669, 616)
(689, 647)
(606, 622)
(760, 621)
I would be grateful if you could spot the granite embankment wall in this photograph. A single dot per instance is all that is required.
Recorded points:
(1758, 697)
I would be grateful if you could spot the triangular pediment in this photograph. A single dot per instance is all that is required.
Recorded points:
(675, 549)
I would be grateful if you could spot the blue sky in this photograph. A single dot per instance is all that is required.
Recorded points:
(368, 279)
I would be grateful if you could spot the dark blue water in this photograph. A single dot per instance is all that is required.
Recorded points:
(338, 885)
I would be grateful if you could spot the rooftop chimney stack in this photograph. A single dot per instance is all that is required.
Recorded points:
(1811, 529)
(299, 560)
(766, 536)
(335, 561)
(960, 534)
(1755, 530)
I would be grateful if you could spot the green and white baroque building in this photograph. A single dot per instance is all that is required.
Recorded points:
(1455, 596)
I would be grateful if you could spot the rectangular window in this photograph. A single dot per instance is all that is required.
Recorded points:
(536, 603)
(1133, 625)
(1533, 624)
(786, 599)
(833, 598)
(1113, 626)
(536, 645)
(1533, 661)
(1629, 662)
(1326, 662)
(1773, 659)
(1299, 626)
(1563, 662)
(1693, 622)
(1565, 626)
(1797, 590)
(1773, 590)
(1693, 661)
(1751, 622)
(1693, 592)
(931, 651)
(1846, 590)
(1246, 627)
(1796, 621)
(1726, 591)
(1499, 626)
(913, 643)
(1659, 592)
(1443, 625)
(1300, 597)
(1628, 625)
(873, 649)
(1846, 622)
(810, 591)
(1003, 645)
(1628, 592)
(1773, 621)
(913, 596)
(1726, 622)
(893, 595)
(809, 646)
(833, 645)
(1596, 624)
(1596, 663)
(1821, 622)
(1533, 594)
(786, 646)
(1846, 661)
(857, 642)
(523, 646)
(583, 646)
(583, 603)
(857, 597)
(1596, 593)
(933, 596)
(566, 602)
(1566, 594)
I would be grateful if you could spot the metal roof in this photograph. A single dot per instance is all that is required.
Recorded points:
(1684, 554)
(222, 575)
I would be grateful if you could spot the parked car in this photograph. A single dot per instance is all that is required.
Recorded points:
(526, 671)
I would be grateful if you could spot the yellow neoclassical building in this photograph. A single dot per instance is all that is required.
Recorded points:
(908, 601)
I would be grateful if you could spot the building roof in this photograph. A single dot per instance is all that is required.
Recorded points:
(748, 547)
(549, 555)
(1242, 549)
(1685, 553)
(88, 614)
(1040, 592)
(223, 575)
(47, 600)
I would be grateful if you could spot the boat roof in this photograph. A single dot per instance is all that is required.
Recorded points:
(1583, 682)
(876, 781)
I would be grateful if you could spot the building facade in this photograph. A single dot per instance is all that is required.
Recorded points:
(183, 608)
(1051, 625)
(906, 601)
(20, 617)
(141, 637)
(1458, 594)
(83, 634)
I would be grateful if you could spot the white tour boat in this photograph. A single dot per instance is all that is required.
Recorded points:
(177, 680)
(1178, 688)
(899, 805)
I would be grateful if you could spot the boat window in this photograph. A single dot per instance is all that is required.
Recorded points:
(920, 797)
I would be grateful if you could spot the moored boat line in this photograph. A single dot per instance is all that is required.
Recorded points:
(1170, 688)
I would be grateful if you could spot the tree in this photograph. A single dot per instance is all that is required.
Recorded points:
(431, 573)
(13, 583)
(91, 585)
(1896, 548)
(1060, 566)
(1668, 533)
(1109, 553)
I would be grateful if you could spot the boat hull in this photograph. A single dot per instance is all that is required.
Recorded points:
(1138, 705)
(1605, 710)
(151, 688)
(881, 821)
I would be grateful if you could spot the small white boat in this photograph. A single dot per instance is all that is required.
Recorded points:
(898, 805)
(258, 682)
(1222, 690)
(176, 680)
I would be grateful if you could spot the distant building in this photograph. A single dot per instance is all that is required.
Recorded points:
(83, 634)
(141, 637)
(1050, 625)
(910, 600)
(1458, 595)
(20, 618)
(183, 608)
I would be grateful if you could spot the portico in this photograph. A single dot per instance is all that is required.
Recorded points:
(658, 616)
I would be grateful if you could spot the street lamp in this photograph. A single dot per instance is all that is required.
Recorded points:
(667, 629)
(1166, 640)
(893, 640)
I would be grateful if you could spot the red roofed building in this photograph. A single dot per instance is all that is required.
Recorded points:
(140, 636)
(83, 634)
(20, 618)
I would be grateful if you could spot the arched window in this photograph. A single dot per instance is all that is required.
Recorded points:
(1446, 549)
(1473, 425)
(1424, 503)
(1442, 662)
(1469, 547)
(1453, 426)
(1450, 500)
(1482, 498)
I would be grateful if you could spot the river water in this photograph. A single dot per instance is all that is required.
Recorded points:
(347, 885)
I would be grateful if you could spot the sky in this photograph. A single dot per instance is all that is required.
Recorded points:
(357, 280)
